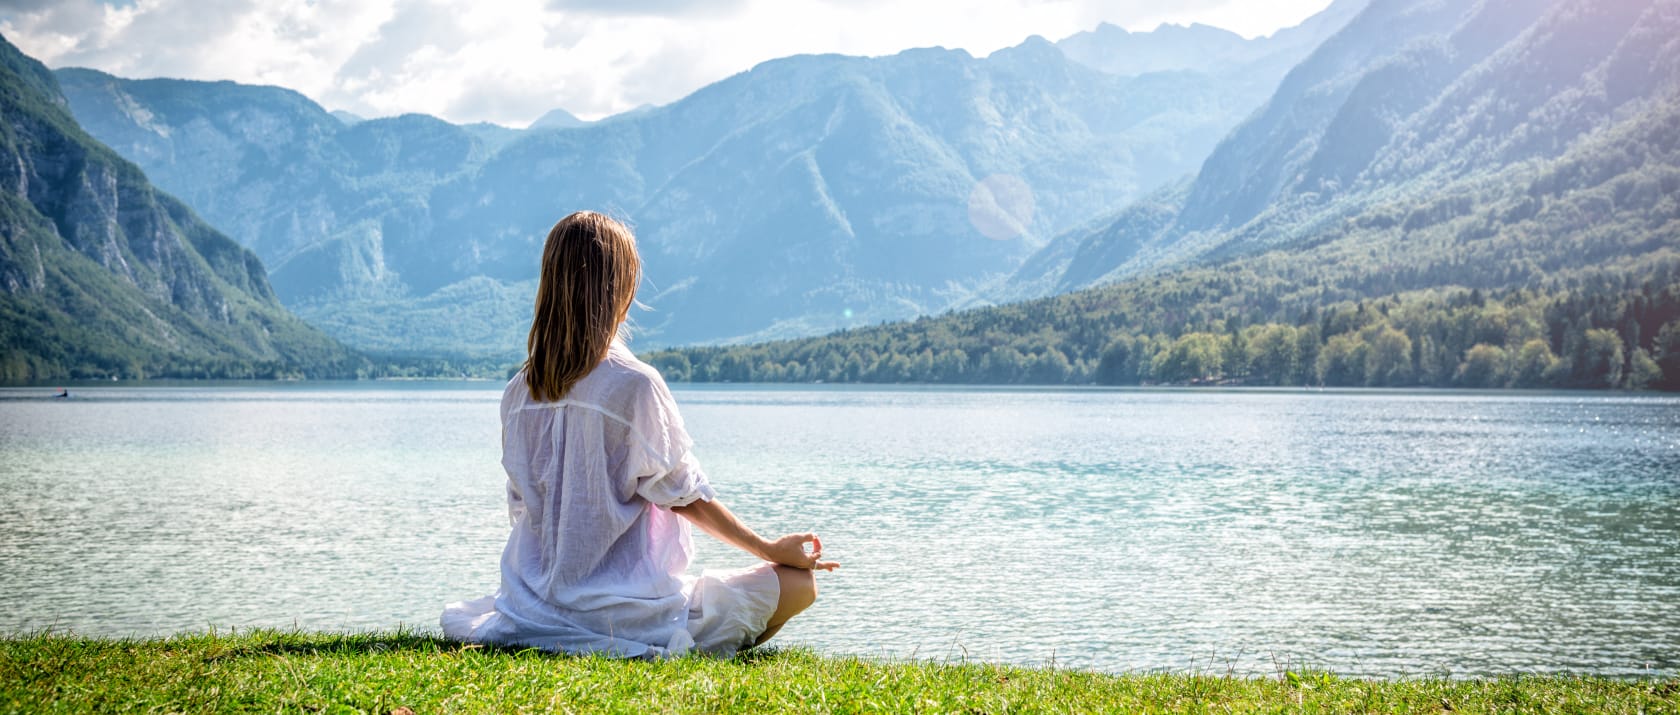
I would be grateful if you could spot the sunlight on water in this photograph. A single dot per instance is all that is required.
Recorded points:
(1382, 533)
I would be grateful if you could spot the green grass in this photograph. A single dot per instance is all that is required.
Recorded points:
(384, 672)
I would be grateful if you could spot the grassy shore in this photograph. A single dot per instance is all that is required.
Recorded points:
(383, 673)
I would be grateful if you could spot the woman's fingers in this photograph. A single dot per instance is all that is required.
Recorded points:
(790, 551)
(817, 564)
(803, 551)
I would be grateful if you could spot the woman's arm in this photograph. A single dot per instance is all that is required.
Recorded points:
(716, 519)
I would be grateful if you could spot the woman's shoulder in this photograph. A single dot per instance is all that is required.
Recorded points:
(621, 377)
(620, 355)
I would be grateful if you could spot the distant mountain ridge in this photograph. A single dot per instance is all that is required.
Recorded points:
(806, 194)
(557, 119)
(1203, 48)
(101, 275)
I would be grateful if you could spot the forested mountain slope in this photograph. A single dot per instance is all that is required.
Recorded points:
(103, 275)
(1504, 211)
(1408, 98)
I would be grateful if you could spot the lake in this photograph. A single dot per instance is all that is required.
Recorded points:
(1384, 533)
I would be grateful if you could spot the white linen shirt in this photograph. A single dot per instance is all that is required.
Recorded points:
(595, 558)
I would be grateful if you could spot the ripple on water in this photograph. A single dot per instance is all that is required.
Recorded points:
(1378, 533)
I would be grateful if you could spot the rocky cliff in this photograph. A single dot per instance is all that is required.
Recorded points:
(102, 275)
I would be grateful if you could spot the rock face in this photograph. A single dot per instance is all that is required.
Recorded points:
(1407, 99)
(807, 194)
(103, 275)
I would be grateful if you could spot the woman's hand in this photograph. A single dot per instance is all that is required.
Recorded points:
(791, 551)
(716, 519)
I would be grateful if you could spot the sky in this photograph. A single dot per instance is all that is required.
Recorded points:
(509, 61)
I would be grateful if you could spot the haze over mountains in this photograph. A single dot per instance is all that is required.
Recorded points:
(807, 194)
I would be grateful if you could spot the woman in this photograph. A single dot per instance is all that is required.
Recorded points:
(602, 488)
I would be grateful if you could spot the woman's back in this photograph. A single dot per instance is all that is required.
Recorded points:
(590, 566)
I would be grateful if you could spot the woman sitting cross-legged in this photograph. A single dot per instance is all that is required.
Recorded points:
(602, 488)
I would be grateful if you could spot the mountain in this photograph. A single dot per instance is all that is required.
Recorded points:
(636, 111)
(103, 275)
(807, 194)
(491, 135)
(1207, 50)
(1443, 194)
(1409, 100)
(775, 201)
(557, 119)
(1168, 48)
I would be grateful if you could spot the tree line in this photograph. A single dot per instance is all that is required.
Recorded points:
(1600, 331)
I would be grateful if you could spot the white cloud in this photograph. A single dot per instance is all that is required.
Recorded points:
(662, 8)
(511, 60)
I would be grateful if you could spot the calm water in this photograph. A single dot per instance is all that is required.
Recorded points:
(1378, 533)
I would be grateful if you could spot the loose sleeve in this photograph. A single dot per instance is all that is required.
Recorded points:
(510, 400)
(661, 465)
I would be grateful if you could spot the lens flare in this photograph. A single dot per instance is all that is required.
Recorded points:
(1001, 206)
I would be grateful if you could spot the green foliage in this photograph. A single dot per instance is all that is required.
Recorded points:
(1642, 370)
(1273, 354)
(1666, 351)
(1342, 361)
(1192, 358)
(1535, 364)
(1483, 366)
(1598, 329)
(1600, 361)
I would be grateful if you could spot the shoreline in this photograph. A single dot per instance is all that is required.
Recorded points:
(854, 386)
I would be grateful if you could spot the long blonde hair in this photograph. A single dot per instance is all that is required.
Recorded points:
(590, 270)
